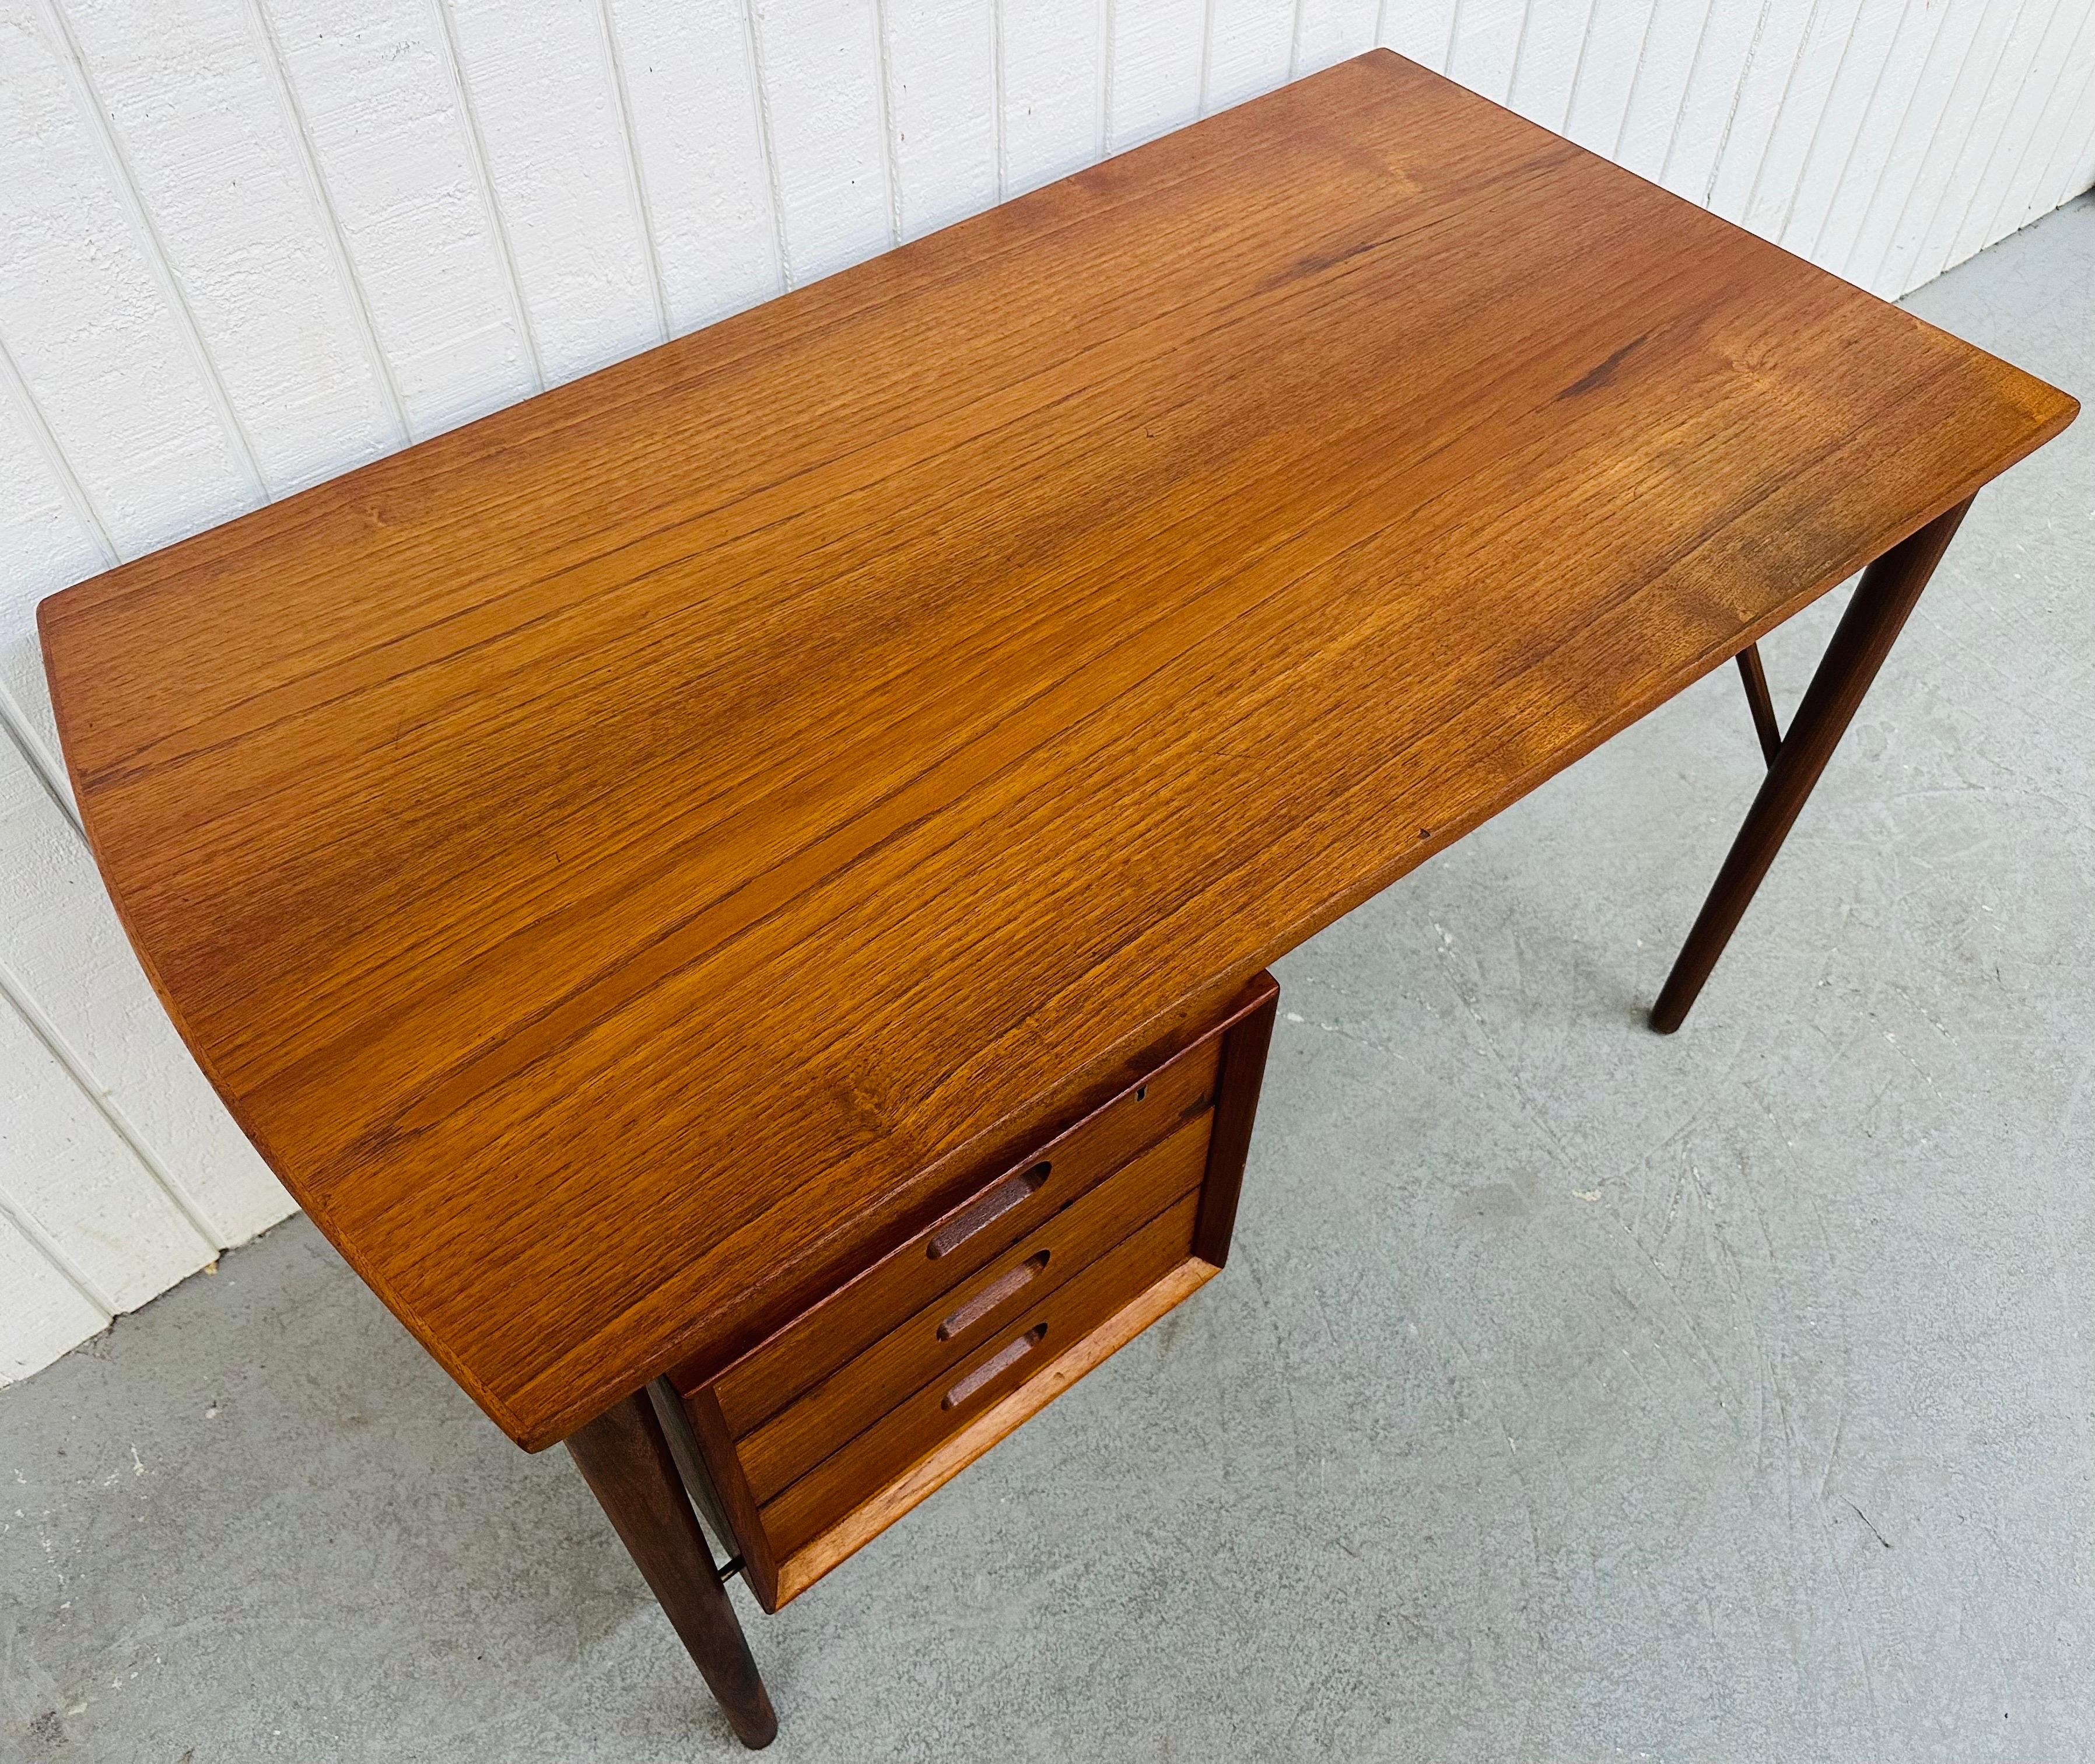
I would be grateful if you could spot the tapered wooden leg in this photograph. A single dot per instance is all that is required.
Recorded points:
(626, 1461)
(1759, 701)
(1885, 596)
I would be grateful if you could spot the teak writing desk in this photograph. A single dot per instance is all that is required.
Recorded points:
(734, 890)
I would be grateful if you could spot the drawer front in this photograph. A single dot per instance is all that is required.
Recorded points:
(839, 1407)
(975, 1233)
(866, 1464)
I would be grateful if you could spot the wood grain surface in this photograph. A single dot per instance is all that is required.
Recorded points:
(624, 859)
(932, 1472)
(916, 1352)
(919, 1421)
(855, 1314)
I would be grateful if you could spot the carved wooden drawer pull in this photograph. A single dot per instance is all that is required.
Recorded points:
(998, 1362)
(991, 1296)
(987, 1208)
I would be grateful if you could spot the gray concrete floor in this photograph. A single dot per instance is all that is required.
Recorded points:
(1571, 1394)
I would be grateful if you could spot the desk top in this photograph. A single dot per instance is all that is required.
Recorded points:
(623, 858)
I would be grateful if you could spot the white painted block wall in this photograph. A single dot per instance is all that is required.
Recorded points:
(247, 244)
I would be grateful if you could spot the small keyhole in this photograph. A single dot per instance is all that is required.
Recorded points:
(1141, 1092)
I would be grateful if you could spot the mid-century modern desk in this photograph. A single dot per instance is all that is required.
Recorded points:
(735, 891)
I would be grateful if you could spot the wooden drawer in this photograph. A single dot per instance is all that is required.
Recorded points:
(826, 1433)
(1009, 1204)
(945, 1332)
(861, 1466)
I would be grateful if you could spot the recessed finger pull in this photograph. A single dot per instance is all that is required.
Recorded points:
(991, 1296)
(987, 1208)
(998, 1362)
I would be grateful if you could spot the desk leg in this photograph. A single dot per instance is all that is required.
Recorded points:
(626, 1461)
(1886, 594)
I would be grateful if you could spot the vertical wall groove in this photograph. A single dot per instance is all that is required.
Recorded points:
(1578, 67)
(47, 766)
(883, 96)
(48, 1247)
(1737, 96)
(1781, 231)
(999, 147)
(125, 184)
(636, 173)
(2035, 199)
(44, 764)
(1855, 141)
(1636, 79)
(2007, 112)
(1782, 105)
(476, 146)
(14, 993)
(1898, 130)
(1207, 55)
(263, 30)
(1687, 90)
(1936, 264)
(1934, 213)
(2062, 193)
(2022, 87)
(75, 492)
(1898, 225)
(1519, 50)
(1106, 80)
(767, 150)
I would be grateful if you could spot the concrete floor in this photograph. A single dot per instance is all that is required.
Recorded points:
(1571, 1394)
